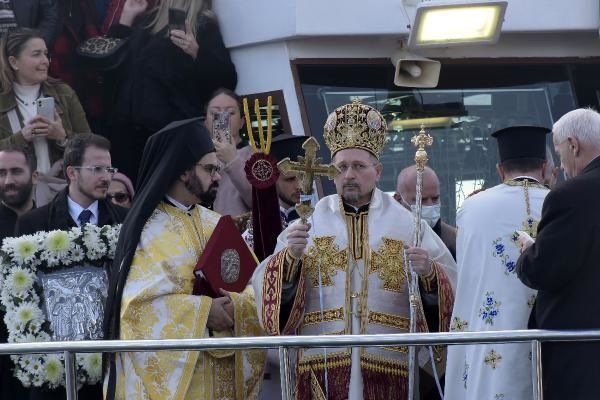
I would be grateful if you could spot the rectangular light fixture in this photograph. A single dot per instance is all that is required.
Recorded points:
(399, 125)
(441, 24)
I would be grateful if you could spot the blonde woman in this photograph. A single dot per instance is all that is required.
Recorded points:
(24, 79)
(167, 75)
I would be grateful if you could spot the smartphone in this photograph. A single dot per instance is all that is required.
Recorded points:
(221, 126)
(177, 19)
(45, 107)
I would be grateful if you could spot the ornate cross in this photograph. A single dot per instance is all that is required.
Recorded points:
(308, 167)
(389, 262)
(492, 359)
(420, 141)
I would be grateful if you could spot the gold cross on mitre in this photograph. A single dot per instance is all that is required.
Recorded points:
(308, 167)
(420, 141)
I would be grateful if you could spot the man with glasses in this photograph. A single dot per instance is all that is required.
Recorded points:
(151, 291)
(344, 272)
(87, 166)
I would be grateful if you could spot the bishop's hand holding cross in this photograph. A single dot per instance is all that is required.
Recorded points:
(308, 167)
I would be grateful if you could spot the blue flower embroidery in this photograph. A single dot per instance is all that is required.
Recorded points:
(500, 248)
(489, 309)
(510, 266)
(515, 237)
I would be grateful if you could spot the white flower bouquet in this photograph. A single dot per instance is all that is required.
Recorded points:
(20, 296)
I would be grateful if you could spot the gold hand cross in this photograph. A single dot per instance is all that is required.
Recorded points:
(308, 167)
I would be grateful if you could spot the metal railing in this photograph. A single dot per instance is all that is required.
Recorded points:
(69, 349)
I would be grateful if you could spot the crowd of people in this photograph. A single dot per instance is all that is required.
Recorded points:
(523, 254)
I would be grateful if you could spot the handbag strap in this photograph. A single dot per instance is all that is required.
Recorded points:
(13, 119)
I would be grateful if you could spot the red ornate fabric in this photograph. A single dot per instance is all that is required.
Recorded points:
(272, 288)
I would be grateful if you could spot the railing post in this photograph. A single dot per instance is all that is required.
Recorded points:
(70, 376)
(536, 369)
(284, 370)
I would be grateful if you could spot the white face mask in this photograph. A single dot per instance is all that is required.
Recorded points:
(431, 214)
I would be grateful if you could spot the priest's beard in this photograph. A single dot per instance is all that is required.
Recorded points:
(194, 185)
(21, 195)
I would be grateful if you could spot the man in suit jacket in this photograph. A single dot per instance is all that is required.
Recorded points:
(564, 262)
(89, 170)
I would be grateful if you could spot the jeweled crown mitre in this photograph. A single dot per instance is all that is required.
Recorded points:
(355, 125)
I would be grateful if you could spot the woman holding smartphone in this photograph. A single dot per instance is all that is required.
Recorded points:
(175, 58)
(27, 92)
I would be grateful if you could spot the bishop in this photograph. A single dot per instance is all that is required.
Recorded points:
(351, 275)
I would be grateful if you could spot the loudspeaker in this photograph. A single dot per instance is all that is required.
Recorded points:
(415, 71)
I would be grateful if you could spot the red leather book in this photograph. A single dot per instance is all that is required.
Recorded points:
(226, 262)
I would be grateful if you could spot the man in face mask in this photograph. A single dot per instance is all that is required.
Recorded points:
(406, 194)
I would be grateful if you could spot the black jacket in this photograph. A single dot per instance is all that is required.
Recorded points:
(43, 15)
(55, 215)
(156, 83)
(564, 266)
(8, 219)
(10, 387)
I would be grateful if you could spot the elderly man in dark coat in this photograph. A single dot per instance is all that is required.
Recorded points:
(564, 262)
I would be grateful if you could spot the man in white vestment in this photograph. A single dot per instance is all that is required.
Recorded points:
(489, 295)
(344, 272)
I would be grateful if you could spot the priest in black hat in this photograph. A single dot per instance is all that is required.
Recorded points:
(489, 295)
(150, 294)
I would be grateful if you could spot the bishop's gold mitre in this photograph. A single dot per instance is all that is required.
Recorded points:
(355, 125)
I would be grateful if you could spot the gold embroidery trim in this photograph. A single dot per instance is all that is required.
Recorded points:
(272, 287)
(313, 318)
(388, 261)
(383, 365)
(389, 320)
(358, 227)
(397, 349)
(325, 255)
(297, 308)
(512, 182)
(429, 281)
(318, 364)
(316, 390)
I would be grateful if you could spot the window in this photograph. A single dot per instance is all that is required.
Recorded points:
(470, 103)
